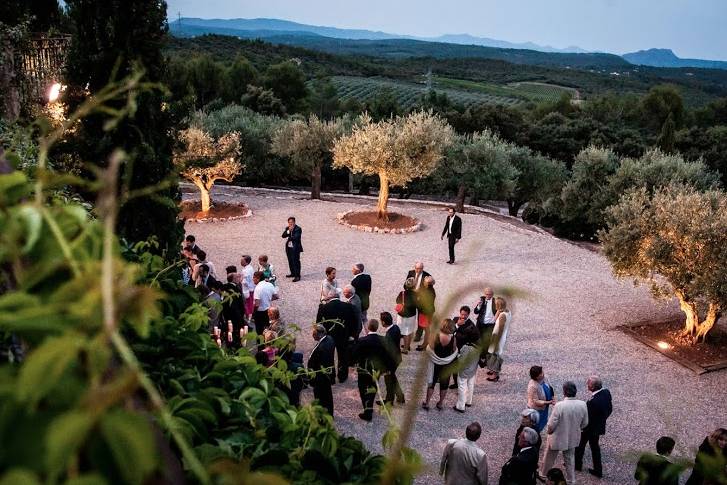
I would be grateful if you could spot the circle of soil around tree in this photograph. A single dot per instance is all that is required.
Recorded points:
(368, 221)
(219, 212)
(667, 337)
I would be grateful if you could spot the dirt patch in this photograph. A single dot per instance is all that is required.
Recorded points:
(369, 218)
(191, 210)
(665, 336)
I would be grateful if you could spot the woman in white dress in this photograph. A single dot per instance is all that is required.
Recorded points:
(499, 338)
(329, 287)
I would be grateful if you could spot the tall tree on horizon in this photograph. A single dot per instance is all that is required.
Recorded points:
(113, 38)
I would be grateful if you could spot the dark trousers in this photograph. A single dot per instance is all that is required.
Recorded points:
(592, 440)
(342, 351)
(452, 241)
(367, 391)
(262, 321)
(322, 392)
(393, 389)
(293, 261)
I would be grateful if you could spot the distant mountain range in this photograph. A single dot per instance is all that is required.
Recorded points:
(667, 58)
(267, 27)
(368, 42)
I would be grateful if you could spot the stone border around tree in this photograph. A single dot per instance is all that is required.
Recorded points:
(341, 219)
(203, 220)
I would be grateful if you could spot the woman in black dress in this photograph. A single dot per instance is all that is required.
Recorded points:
(442, 358)
(710, 465)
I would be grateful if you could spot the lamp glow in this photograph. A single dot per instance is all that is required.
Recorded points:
(663, 345)
(54, 92)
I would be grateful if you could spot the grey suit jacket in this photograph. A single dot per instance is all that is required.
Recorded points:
(569, 418)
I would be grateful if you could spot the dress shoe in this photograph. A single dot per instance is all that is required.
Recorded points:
(420, 348)
(453, 386)
(494, 378)
(461, 411)
(468, 405)
(400, 401)
(365, 417)
(449, 262)
(297, 278)
(595, 473)
(288, 275)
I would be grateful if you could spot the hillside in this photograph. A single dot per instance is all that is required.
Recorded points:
(698, 86)
(667, 58)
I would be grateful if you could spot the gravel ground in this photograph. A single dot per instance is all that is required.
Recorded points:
(566, 323)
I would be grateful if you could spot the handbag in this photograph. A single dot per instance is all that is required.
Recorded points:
(400, 306)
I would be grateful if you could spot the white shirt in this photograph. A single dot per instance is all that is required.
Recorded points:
(451, 220)
(418, 280)
(263, 293)
(247, 283)
(489, 314)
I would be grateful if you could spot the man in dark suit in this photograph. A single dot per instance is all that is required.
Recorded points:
(321, 362)
(521, 468)
(339, 319)
(362, 283)
(371, 359)
(453, 231)
(465, 333)
(658, 469)
(417, 274)
(599, 409)
(293, 248)
(392, 342)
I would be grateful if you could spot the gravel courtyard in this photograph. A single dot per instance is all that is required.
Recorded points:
(566, 323)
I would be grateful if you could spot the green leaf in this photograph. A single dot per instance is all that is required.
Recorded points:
(65, 436)
(19, 476)
(13, 187)
(46, 365)
(131, 442)
(88, 479)
(33, 221)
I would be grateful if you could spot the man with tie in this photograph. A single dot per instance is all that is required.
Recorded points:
(293, 248)
(453, 231)
(485, 311)
(599, 409)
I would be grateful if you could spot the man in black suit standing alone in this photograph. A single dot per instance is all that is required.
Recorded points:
(453, 231)
(293, 248)
(321, 362)
(599, 409)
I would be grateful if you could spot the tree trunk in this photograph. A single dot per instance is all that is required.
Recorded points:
(513, 207)
(693, 327)
(381, 212)
(350, 182)
(315, 191)
(461, 192)
(204, 194)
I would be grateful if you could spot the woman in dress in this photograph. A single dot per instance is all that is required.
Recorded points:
(499, 338)
(329, 286)
(425, 307)
(540, 395)
(406, 311)
(710, 465)
(442, 359)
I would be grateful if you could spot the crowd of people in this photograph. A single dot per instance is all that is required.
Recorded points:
(242, 302)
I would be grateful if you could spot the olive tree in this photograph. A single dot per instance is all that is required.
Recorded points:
(539, 178)
(398, 150)
(674, 241)
(205, 160)
(309, 144)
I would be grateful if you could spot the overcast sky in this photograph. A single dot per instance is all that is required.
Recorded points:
(692, 28)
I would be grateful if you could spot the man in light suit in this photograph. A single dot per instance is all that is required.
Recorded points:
(453, 231)
(569, 419)
(599, 409)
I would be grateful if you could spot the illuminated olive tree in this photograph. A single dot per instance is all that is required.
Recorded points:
(309, 144)
(675, 241)
(206, 160)
(398, 150)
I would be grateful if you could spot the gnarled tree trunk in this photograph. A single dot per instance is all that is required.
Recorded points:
(204, 195)
(461, 192)
(315, 190)
(513, 207)
(693, 327)
(381, 212)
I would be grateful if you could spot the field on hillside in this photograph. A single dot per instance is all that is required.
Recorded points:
(525, 91)
(408, 94)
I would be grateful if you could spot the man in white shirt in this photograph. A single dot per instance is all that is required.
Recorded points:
(485, 311)
(263, 296)
(569, 418)
(463, 462)
(247, 284)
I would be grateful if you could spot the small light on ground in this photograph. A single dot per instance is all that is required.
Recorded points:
(663, 345)
(54, 92)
